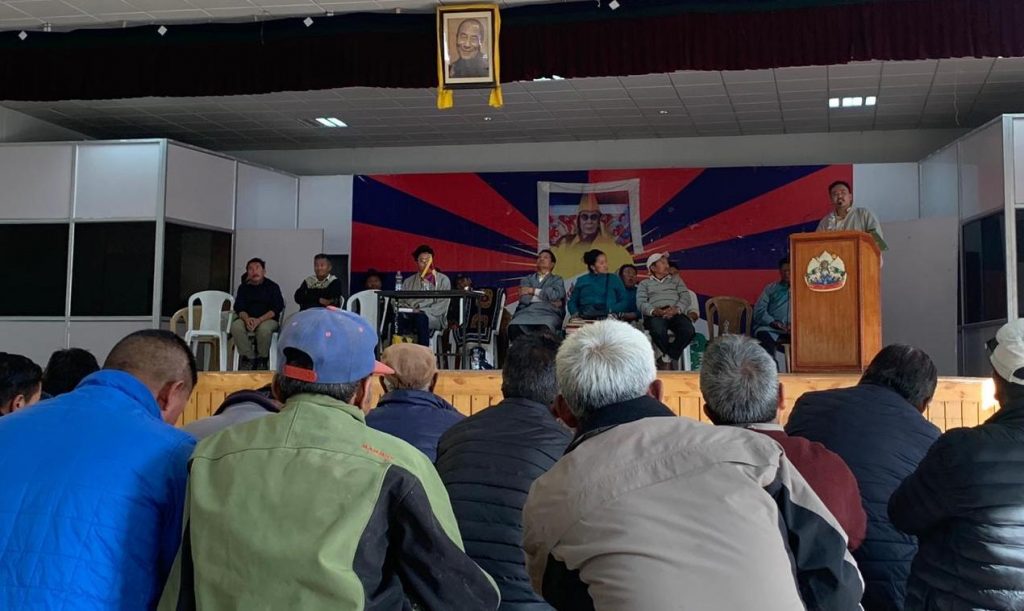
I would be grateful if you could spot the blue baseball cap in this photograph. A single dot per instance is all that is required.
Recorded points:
(340, 343)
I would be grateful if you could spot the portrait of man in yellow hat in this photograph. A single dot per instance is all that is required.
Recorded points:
(591, 231)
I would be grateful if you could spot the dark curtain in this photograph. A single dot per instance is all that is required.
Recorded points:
(570, 40)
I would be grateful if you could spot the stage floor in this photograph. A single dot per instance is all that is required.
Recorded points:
(957, 402)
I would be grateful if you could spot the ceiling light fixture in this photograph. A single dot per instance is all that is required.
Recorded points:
(553, 77)
(331, 122)
(22, 35)
(308, 21)
(870, 100)
(614, 4)
(852, 101)
(662, 112)
(833, 102)
(161, 30)
(487, 118)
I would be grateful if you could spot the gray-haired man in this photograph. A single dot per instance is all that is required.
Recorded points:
(649, 511)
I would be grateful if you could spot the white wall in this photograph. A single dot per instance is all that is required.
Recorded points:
(265, 199)
(919, 288)
(890, 190)
(35, 339)
(19, 127)
(325, 202)
(940, 184)
(118, 181)
(288, 252)
(36, 181)
(788, 149)
(200, 188)
(981, 172)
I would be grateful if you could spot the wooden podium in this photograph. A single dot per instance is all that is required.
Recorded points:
(837, 306)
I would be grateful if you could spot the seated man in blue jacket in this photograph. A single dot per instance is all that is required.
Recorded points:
(93, 483)
(965, 502)
(409, 408)
(877, 428)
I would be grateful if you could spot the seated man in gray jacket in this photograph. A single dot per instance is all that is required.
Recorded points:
(665, 303)
(541, 300)
(647, 510)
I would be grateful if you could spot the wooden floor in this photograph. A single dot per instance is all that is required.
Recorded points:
(958, 401)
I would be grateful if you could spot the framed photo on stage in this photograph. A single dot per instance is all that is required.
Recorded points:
(466, 46)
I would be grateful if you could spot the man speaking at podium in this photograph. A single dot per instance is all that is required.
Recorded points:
(844, 217)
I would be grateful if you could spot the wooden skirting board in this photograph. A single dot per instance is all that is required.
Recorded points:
(957, 402)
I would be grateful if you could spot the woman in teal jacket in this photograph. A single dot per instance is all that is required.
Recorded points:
(598, 293)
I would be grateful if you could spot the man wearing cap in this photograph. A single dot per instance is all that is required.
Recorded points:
(312, 509)
(665, 303)
(965, 501)
(410, 410)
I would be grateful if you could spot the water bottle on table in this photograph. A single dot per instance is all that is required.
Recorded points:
(398, 281)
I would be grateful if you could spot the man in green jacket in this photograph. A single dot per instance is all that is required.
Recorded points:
(310, 508)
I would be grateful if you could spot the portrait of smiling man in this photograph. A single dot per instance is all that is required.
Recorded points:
(471, 50)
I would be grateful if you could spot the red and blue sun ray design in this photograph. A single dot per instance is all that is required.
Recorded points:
(726, 228)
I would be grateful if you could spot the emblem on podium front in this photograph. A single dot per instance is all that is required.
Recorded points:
(825, 273)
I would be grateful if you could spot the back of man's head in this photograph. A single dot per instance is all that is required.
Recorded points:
(529, 369)
(66, 368)
(905, 370)
(161, 361)
(604, 363)
(20, 380)
(739, 381)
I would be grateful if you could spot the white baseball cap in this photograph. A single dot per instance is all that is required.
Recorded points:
(1007, 351)
(651, 260)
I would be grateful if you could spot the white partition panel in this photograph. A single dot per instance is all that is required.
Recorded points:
(325, 202)
(266, 199)
(99, 336)
(1018, 161)
(288, 252)
(940, 185)
(200, 188)
(981, 172)
(118, 180)
(919, 288)
(890, 190)
(35, 339)
(35, 181)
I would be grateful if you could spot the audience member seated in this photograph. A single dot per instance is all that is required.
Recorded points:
(650, 511)
(65, 369)
(541, 298)
(238, 407)
(312, 509)
(965, 501)
(597, 294)
(489, 460)
(878, 429)
(740, 385)
(422, 316)
(462, 283)
(373, 281)
(320, 290)
(627, 273)
(93, 483)
(665, 303)
(20, 382)
(259, 305)
(409, 408)
(771, 312)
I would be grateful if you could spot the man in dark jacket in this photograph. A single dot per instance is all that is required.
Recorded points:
(409, 408)
(238, 407)
(259, 306)
(966, 501)
(878, 429)
(489, 460)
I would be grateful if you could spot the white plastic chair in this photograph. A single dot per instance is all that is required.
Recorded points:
(364, 303)
(272, 360)
(211, 324)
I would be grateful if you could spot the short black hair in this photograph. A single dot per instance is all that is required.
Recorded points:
(18, 376)
(66, 368)
(321, 256)
(289, 387)
(554, 259)
(370, 273)
(422, 248)
(840, 182)
(262, 263)
(529, 369)
(906, 370)
(590, 257)
(626, 266)
(783, 261)
(149, 352)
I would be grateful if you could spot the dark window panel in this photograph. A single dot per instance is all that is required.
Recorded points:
(113, 269)
(34, 269)
(194, 260)
(984, 269)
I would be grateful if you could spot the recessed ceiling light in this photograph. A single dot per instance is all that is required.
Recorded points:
(487, 118)
(870, 100)
(553, 77)
(308, 21)
(331, 122)
(833, 102)
(853, 101)
(161, 30)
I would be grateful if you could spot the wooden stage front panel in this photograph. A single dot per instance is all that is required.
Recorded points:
(957, 402)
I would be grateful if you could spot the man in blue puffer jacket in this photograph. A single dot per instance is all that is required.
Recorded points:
(93, 484)
(966, 502)
(409, 408)
(877, 428)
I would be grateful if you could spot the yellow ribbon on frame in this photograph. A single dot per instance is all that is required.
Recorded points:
(446, 97)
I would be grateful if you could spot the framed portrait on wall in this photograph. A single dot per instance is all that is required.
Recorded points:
(467, 38)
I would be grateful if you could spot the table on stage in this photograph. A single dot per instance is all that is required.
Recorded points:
(467, 298)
